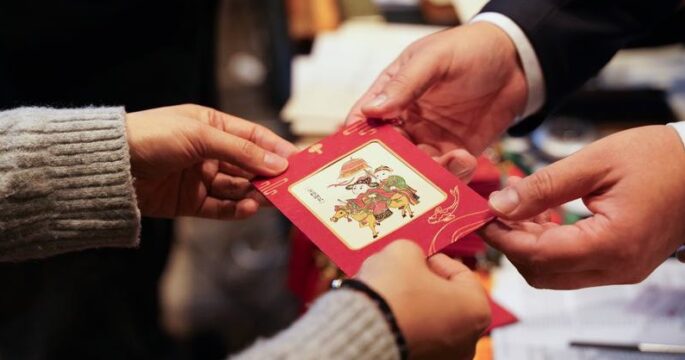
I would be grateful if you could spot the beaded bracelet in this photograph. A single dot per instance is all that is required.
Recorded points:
(382, 305)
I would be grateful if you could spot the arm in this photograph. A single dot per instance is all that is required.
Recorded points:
(342, 324)
(631, 181)
(438, 305)
(65, 182)
(572, 40)
(67, 176)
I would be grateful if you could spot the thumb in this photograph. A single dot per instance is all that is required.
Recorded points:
(447, 268)
(556, 184)
(405, 85)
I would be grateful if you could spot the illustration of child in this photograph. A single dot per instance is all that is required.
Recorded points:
(391, 183)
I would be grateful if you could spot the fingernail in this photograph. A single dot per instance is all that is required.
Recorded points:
(504, 201)
(275, 162)
(378, 101)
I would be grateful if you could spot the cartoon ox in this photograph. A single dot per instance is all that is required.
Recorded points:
(364, 217)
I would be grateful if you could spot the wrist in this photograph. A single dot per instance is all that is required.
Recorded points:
(504, 53)
(382, 305)
(527, 60)
(131, 134)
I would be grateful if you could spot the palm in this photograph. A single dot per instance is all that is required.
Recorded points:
(199, 190)
(459, 88)
(175, 156)
(471, 120)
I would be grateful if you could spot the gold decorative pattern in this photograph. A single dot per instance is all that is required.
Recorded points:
(316, 149)
(271, 188)
(362, 128)
(447, 216)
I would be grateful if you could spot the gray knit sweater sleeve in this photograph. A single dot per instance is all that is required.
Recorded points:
(65, 185)
(341, 325)
(65, 182)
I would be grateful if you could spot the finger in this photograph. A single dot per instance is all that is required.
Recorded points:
(260, 135)
(446, 267)
(430, 150)
(402, 251)
(558, 183)
(460, 163)
(550, 247)
(227, 187)
(234, 125)
(543, 217)
(411, 80)
(397, 254)
(373, 91)
(258, 197)
(243, 153)
(232, 170)
(512, 180)
(213, 208)
(246, 208)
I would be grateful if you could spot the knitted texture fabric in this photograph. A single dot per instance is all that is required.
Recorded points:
(342, 324)
(65, 182)
(65, 185)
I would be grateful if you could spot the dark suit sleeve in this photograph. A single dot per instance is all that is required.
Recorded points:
(574, 39)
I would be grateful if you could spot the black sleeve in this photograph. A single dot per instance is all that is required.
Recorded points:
(574, 39)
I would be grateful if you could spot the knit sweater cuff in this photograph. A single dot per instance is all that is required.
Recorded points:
(342, 324)
(65, 182)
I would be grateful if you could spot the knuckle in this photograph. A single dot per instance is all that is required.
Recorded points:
(249, 150)
(540, 185)
(257, 133)
(211, 116)
(400, 81)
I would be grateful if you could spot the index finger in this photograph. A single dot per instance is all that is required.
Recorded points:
(259, 135)
(375, 88)
(245, 129)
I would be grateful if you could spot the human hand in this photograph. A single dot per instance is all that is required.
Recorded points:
(439, 304)
(455, 91)
(190, 160)
(632, 182)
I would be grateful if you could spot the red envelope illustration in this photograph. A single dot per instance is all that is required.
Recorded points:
(366, 186)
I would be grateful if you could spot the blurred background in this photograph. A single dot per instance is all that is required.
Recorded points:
(200, 289)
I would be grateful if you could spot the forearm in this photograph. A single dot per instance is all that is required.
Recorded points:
(65, 182)
(342, 324)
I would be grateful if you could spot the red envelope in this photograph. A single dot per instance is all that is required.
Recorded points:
(366, 186)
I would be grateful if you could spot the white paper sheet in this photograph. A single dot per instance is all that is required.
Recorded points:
(653, 311)
(341, 67)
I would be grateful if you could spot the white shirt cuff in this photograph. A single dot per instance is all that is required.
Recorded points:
(529, 60)
(680, 128)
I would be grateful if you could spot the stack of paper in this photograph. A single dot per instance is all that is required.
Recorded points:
(340, 68)
(650, 312)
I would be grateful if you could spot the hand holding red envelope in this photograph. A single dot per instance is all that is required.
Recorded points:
(366, 186)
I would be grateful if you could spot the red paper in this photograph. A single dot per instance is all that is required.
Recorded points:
(366, 186)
